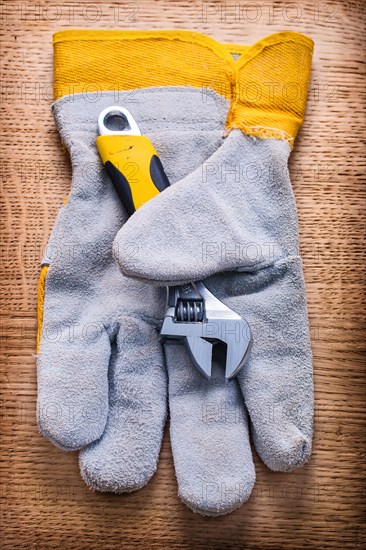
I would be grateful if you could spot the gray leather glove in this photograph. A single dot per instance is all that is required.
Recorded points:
(229, 218)
(102, 384)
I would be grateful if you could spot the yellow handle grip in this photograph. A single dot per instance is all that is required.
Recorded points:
(134, 168)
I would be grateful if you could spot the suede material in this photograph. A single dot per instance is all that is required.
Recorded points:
(276, 384)
(209, 436)
(239, 233)
(102, 384)
(100, 357)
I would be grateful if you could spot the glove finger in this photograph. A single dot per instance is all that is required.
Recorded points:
(277, 381)
(72, 373)
(209, 437)
(126, 456)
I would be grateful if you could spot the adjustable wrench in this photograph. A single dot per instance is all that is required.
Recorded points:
(193, 314)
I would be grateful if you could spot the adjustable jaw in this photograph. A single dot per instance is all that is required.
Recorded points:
(197, 317)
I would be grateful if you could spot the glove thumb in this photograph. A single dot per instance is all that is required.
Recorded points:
(234, 212)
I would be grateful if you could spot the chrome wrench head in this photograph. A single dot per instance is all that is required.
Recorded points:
(219, 323)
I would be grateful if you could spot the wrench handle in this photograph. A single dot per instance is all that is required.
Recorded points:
(134, 168)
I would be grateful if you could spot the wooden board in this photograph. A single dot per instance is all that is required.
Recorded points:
(44, 502)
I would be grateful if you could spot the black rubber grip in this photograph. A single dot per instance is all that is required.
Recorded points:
(121, 186)
(157, 174)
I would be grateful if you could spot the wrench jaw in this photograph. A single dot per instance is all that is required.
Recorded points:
(218, 323)
(198, 349)
(221, 324)
(237, 353)
(200, 353)
(235, 333)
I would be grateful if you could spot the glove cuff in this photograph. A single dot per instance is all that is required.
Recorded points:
(266, 85)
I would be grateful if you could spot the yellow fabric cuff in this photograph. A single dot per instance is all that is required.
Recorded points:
(41, 288)
(266, 85)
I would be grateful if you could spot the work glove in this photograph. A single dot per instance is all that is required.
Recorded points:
(229, 219)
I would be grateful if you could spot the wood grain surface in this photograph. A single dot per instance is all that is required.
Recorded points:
(45, 504)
